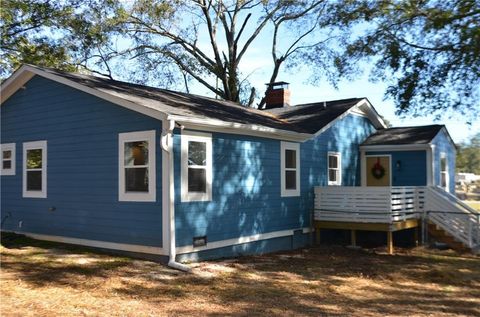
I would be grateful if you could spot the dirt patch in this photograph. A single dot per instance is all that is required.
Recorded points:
(44, 279)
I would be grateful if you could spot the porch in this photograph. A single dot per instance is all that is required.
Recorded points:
(391, 209)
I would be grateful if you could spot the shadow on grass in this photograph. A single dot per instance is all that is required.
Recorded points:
(317, 281)
(40, 262)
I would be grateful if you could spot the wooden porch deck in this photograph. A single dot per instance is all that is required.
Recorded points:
(385, 209)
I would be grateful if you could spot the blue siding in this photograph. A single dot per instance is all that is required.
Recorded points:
(413, 167)
(246, 183)
(82, 176)
(442, 144)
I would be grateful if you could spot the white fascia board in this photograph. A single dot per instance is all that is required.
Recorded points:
(397, 147)
(370, 112)
(240, 128)
(26, 72)
(14, 83)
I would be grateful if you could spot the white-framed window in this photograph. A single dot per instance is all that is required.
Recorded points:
(7, 159)
(444, 171)
(196, 166)
(290, 169)
(35, 169)
(334, 168)
(136, 166)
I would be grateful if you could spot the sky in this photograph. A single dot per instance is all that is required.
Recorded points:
(257, 64)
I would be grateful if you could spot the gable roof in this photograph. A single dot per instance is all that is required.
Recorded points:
(297, 122)
(312, 117)
(404, 135)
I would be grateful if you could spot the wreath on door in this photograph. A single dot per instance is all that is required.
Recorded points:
(378, 171)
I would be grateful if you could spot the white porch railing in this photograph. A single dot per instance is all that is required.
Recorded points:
(390, 204)
(368, 204)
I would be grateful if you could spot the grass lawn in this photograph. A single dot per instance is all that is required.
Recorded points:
(46, 279)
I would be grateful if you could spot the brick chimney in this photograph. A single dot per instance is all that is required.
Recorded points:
(277, 95)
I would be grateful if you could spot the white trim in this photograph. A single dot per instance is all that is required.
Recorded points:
(396, 147)
(443, 155)
(165, 189)
(214, 125)
(123, 138)
(26, 72)
(358, 112)
(206, 138)
(12, 148)
(14, 83)
(338, 155)
(94, 243)
(295, 147)
(364, 169)
(370, 112)
(240, 240)
(35, 145)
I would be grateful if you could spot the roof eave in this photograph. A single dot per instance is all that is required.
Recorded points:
(394, 147)
(239, 128)
(27, 72)
(374, 116)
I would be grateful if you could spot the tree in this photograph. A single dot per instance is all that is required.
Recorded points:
(207, 40)
(428, 51)
(468, 156)
(61, 34)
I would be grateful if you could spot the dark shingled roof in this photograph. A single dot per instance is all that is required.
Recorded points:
(306, 118)
(312, 117)
(404, 135)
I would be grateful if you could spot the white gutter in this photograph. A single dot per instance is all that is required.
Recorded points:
(166, 142)
(240, 128)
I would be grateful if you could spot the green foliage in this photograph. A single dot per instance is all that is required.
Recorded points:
(428, 51)
(468, 156)
(61, 34)
(206, 40)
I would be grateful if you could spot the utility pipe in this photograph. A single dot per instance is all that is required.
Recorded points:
(166, 142)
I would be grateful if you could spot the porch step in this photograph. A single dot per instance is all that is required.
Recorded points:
(441, 235)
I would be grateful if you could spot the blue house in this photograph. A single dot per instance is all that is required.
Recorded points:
(113, 165)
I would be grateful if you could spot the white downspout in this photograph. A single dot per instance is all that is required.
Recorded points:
(166, 143)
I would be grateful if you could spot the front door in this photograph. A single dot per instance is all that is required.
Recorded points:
(378, 171)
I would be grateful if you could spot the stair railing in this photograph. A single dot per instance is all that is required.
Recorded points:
(452, 215)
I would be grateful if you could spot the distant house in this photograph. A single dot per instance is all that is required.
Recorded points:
(108, 164)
